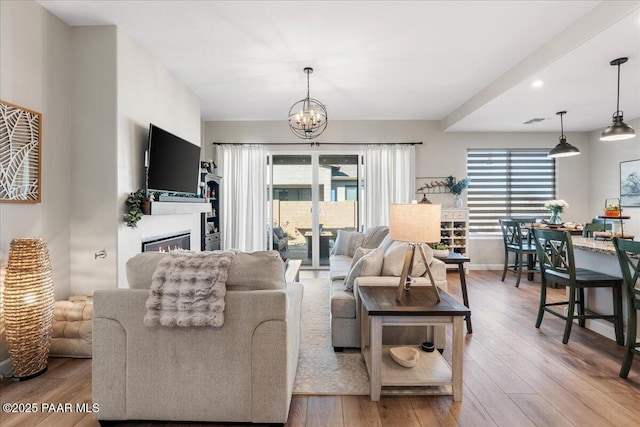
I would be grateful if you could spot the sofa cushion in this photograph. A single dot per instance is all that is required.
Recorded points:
(386, 243)
(341, 245)
(342, 301)
(359, 253)
(340, 266)
(394, 260)
(373, 236)
(248, 271)
(140, 269)
(260, 270)
(368, 265)
(354, 243)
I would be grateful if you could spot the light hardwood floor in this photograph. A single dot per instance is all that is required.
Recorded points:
(514, 375)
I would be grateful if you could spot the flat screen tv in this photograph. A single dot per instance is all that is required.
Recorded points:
(173, 163)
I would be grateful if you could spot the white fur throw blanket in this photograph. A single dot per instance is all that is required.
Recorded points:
(188, 289)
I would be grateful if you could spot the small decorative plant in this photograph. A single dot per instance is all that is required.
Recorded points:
(440, 250)
(134, 204)
(556, 207)
(457, 187)
(612, 209)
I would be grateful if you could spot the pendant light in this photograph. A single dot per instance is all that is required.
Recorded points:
(307, 117)
(618, 130)
(563, 149)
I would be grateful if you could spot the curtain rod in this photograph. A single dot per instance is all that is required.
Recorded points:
(320, 143)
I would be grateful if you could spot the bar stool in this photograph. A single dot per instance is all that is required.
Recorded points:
(555, 252)
(589, 228)
(630, 274)
(518, 242)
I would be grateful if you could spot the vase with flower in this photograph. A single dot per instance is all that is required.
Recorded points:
(556, 207)
(457, 187)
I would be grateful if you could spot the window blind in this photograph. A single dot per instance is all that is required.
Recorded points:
(507, 183)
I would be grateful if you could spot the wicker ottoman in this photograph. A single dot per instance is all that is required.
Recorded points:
(72, 334)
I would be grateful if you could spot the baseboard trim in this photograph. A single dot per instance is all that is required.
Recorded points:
(486, 266)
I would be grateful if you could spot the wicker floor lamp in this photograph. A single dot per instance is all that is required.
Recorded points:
(28, 307)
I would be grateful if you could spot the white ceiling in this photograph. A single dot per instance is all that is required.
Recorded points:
(467, 63)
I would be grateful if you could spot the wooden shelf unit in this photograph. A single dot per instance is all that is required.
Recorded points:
(454, 229)
(210, 220)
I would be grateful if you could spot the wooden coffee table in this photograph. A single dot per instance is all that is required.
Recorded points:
(432, 374)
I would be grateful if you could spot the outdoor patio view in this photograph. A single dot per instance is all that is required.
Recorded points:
(293, 203)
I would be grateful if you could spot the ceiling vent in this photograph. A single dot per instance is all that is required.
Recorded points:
(534, 120)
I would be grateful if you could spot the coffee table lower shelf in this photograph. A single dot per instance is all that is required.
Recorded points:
(430, 376)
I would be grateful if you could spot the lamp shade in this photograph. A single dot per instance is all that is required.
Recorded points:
(415, 223)
(618, 131)
(563, 149)
(28, 306)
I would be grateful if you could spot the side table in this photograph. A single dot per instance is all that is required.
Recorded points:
(292, 270)
(459, 259)
(432, 374)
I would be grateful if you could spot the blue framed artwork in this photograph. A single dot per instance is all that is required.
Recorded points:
(630, 183)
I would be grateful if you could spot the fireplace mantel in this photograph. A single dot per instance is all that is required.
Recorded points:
(174, 208)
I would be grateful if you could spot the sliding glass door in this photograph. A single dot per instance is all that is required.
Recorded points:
(313, 196)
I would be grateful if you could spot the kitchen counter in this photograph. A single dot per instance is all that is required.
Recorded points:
(596, 246)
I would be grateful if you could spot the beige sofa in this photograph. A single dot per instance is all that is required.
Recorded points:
(345, 305)
(241, 372)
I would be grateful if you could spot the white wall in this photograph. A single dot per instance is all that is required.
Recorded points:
(148, 93)
(35, 58)
(604, 181)
(93, 186)
(441, 154)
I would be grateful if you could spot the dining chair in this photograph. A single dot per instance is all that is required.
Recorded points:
(589, 228)
(557, 265)
(629, 257)
(517, 241)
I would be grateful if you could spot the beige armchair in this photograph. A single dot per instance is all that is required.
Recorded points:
(241, 372)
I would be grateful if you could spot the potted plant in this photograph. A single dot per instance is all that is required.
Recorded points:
(134, 208)
(440, 250)
(612, 209)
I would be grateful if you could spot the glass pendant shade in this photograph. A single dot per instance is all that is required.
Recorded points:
(307, 117)
(563, 149)
(618, 130)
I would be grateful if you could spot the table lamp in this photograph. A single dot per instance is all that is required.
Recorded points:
(415, 224)
(28, 307)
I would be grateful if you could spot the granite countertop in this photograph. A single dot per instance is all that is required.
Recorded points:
(591, 245)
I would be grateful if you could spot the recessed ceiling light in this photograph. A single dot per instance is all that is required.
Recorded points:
(537, 83)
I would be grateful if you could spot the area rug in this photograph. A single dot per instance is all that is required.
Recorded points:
(321, 371)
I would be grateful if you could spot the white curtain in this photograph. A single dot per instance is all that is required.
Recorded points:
(243, 205)
(389, 178)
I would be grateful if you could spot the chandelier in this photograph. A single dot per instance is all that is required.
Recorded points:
(307, 117)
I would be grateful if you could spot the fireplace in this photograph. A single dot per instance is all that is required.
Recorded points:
(167, 243)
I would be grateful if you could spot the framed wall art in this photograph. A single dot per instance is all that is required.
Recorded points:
(20, 154)
(630, 183)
